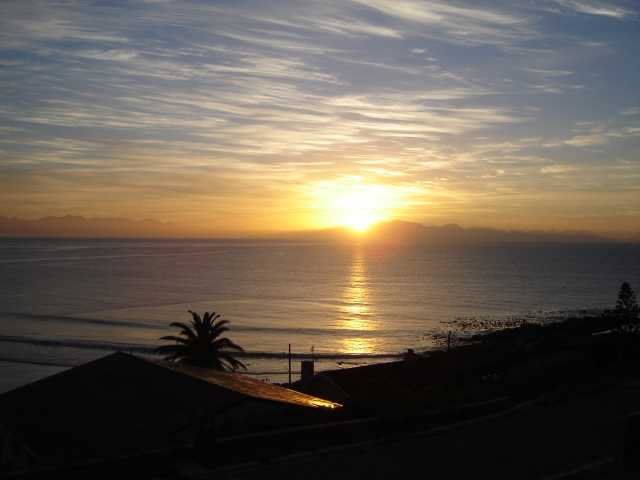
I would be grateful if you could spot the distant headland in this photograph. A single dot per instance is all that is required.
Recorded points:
(394, 232)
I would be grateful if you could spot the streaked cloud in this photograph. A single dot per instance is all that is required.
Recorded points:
(168, 107)
(555, 169)
(600, 8)
(630, 111)
(599, 134)
(458, 24)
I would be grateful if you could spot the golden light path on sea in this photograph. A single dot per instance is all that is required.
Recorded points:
(357, 312)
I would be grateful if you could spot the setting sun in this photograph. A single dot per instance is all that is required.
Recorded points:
(354, 204)
(359, 209)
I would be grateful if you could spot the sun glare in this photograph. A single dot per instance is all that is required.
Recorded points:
(354, 204)
(359, 210)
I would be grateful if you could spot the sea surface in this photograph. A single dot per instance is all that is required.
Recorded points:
(64, 302)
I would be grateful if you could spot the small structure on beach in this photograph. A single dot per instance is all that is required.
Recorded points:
(121, 405)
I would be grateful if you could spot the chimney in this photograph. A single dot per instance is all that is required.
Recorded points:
(306, 370)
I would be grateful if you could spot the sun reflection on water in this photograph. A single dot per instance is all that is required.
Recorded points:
(359, 345)
(357, 311)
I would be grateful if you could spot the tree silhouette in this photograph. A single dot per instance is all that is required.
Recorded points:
(199, 343)
(627, 307)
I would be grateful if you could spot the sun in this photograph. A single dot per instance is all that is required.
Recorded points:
(353, 203)
(360, 223)
(359, 210)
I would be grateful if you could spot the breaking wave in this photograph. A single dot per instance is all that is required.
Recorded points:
(149, 350)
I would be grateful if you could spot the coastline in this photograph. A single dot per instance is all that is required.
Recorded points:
(271, 366)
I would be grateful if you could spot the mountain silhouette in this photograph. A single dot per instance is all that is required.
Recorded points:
(395, 232)
(398, 232)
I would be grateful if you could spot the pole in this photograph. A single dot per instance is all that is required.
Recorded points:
(289, 364)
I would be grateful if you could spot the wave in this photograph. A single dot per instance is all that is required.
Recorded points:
(89, 320)
(89, 258)
(37, 362)
(150, 350)
(236, 327)
(81, 344)
(71, 365)
(74, 364)
(324, 331)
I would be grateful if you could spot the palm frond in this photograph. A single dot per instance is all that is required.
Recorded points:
(172, 350)
(186, 330)
(226, 344)
(200, 343)
(221, 325)
(232, 362)
(173, 338)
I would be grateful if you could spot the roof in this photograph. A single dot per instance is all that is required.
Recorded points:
(252, 387)
(120, 404)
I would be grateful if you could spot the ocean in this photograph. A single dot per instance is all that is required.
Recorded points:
(65, 302)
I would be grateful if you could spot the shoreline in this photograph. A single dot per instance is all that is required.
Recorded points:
(272, 366)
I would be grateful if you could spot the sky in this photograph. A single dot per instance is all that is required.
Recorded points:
(249, 116)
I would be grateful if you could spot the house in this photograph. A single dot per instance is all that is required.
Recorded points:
(122, 405)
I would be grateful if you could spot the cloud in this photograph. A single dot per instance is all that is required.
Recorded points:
(429, 97)
(113, 55)
(588, 140)
(458, 24)
(596, 134)
(349, 27)
(630, 111)
(549, 73)
(604, 9)
(26, 23)
(437, 12)
(555, 169)
(263, 39)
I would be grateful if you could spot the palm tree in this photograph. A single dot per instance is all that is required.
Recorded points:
(199, 344)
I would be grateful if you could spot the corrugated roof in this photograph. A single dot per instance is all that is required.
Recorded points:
(252, 387)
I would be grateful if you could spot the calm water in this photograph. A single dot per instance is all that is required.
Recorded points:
(66, 302)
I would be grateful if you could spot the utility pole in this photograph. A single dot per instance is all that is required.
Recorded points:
(289, 364)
